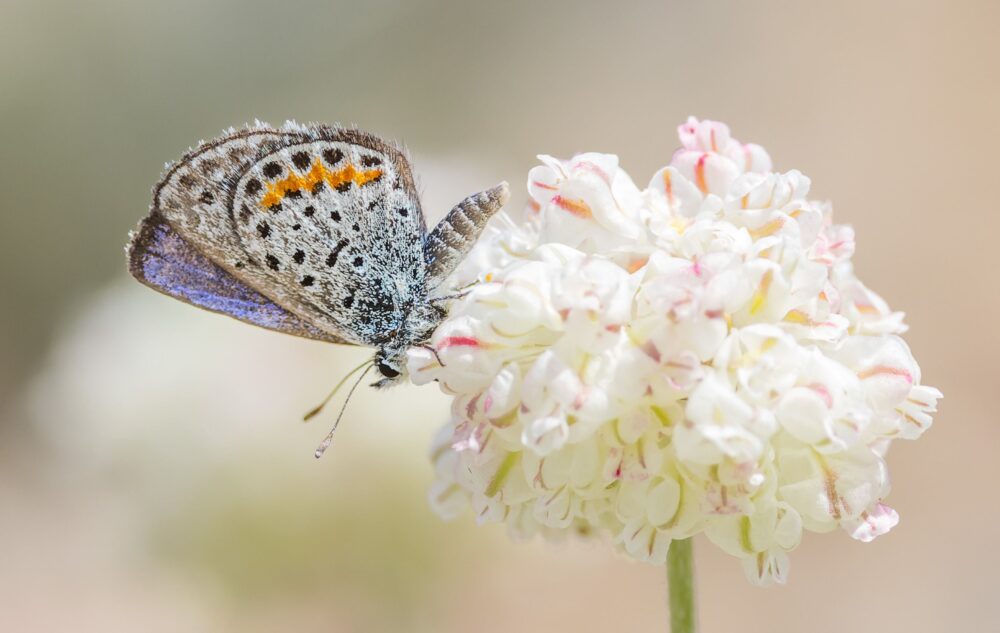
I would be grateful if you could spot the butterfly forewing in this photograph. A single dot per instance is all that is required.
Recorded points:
(338, 223)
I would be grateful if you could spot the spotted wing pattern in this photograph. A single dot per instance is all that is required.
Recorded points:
(323, 221)
(335, 222)
(161, 259)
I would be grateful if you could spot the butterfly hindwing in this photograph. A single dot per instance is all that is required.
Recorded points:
(161, 259)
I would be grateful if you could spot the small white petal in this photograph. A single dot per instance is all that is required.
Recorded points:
(872, 523)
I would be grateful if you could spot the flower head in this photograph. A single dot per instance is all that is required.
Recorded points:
(696, 356)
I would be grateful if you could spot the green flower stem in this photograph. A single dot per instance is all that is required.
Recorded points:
(680, 580)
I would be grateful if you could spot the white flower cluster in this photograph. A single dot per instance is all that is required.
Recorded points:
(695, 356)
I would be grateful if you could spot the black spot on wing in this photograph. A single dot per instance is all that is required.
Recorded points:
(264, 229)
(301, 160)
(272, 261)
(331, 259)
(272, 170)
(299, 256)
(332, 156)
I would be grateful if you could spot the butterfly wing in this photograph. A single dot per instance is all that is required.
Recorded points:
(323, 221)
(161, 259)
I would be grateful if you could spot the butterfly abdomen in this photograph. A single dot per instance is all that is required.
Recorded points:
(456, 234)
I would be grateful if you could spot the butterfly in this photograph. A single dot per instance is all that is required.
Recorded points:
(311, 230)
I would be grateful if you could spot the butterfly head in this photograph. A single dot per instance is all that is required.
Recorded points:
(416, 329)
(391, 366)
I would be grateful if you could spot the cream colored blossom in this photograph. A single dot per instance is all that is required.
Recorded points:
(696, 356)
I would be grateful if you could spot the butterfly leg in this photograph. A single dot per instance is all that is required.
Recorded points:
(431, 349)
(462, 293)
(456, 234)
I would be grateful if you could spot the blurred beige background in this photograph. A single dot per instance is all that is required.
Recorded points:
(153, 476)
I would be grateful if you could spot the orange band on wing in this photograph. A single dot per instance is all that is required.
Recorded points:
(276, 191)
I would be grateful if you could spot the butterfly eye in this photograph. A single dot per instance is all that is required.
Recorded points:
(387, 371)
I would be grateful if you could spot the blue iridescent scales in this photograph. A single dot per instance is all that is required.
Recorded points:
(314, 231)
(170, 264)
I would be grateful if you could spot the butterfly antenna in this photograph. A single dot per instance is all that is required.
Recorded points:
(325, 444)
(312, 413)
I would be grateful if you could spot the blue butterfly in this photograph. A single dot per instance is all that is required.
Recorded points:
(315, 231)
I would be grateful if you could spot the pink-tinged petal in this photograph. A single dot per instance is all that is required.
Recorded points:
(711, 173)
(682, 196)
(543, 184)
(576, 207)
(706, 136)
(915, 411)
(458, 341)
(603, 172)
(885, 370)
(833, 244)
(867, 312)
(872, 523)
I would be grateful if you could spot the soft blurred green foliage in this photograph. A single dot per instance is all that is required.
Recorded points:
(286, 538)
